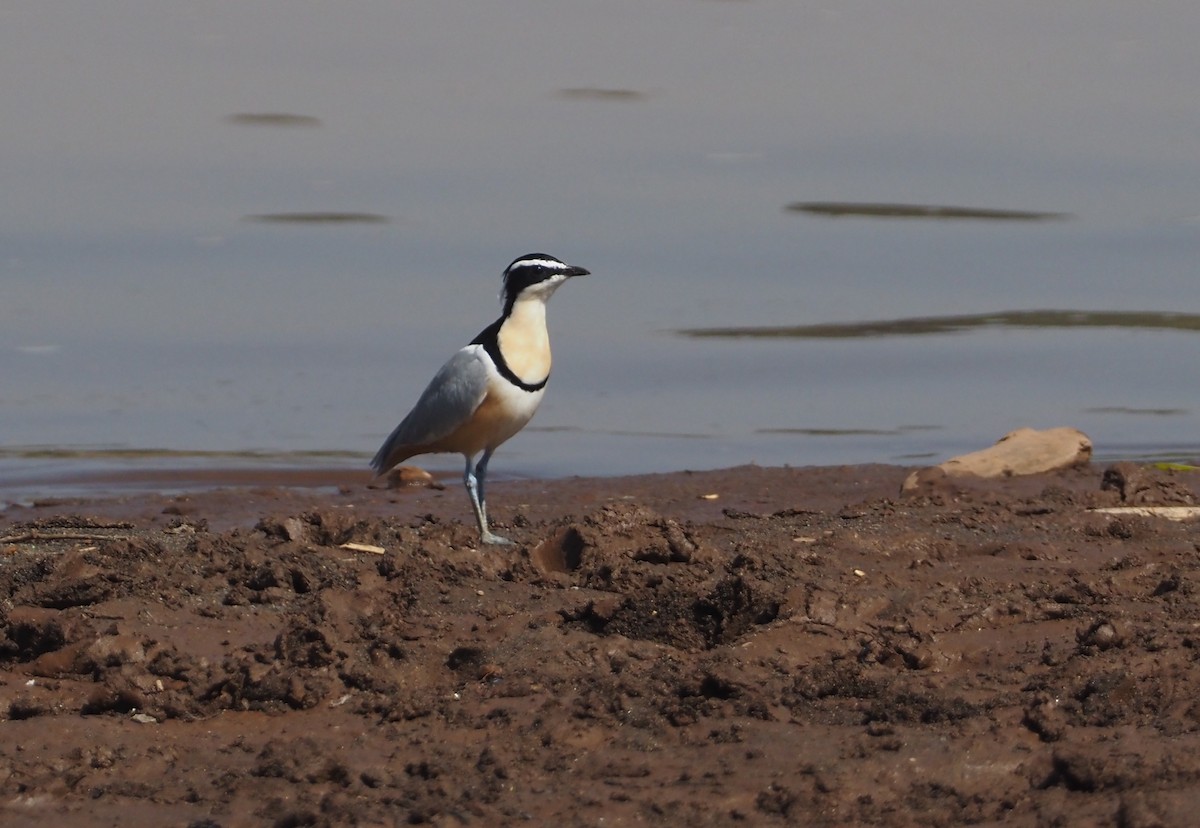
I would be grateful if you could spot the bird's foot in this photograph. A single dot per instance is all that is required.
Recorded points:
(489, 537)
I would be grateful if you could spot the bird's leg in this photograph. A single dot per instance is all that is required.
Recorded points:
(473, 492)
(474, 481)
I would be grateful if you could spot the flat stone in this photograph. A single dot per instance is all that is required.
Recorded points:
(1020, 452)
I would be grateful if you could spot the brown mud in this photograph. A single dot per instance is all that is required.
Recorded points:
(741, 647)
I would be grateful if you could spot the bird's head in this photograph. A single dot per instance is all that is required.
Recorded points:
(535, 275)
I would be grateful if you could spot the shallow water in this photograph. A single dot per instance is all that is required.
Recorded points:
(238, 236)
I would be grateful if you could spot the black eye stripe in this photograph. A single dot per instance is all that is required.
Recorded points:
(539, 271)
(519, 278)
(531, 270)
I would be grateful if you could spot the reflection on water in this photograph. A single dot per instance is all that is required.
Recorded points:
(120, 454)
(1143, 320)
(839, 209)
(273, 119)
(591, 93)
(1144, 412)
(319, 218)
(850, 432)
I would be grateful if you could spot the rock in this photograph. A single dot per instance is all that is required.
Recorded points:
(1145, 485)
(411, 476)
(295, 529)
(1024, 451)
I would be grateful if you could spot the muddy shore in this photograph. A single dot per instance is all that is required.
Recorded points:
(750, 646)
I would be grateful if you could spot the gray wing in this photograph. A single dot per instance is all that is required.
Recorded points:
(451, 397)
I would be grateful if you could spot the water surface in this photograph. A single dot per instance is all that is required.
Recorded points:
(247, 234)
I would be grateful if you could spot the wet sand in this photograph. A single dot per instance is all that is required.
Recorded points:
(751, 646)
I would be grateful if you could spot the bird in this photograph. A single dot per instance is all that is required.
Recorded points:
(490, 388)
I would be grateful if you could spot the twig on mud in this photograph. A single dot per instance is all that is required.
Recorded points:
(56, 536)
(363, 547)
